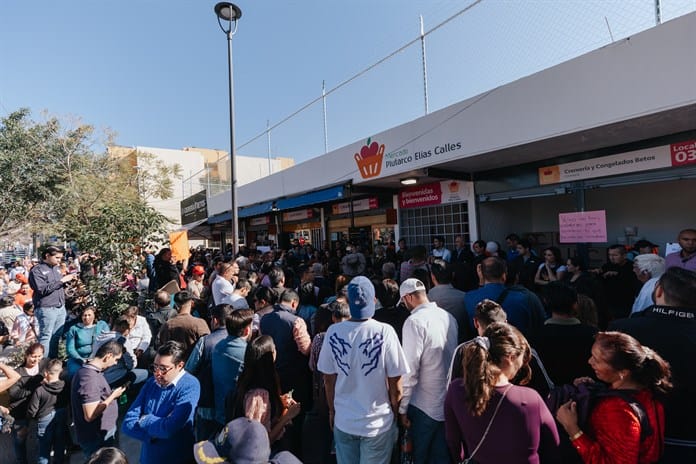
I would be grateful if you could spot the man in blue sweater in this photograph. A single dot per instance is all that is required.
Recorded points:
(162, 415)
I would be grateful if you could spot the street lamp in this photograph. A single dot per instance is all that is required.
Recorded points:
(229, 13)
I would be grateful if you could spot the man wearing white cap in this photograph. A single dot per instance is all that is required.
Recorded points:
(362, 363)
(429, 340)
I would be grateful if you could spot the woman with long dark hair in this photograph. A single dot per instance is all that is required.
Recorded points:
(31, 376)
(614, 432)
(165, 269)
(80, 338)
(258, 395)
(551, 268)
(488, 417)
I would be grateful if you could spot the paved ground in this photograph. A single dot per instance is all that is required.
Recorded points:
(128, 445)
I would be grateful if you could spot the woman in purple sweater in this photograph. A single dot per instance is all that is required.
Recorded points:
(491, 420)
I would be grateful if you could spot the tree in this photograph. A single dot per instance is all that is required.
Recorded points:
(58, 185)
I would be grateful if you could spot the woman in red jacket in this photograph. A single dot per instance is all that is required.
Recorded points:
(613, 433)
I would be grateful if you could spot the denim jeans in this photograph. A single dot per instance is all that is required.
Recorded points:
(428, 435)
(51, 321)
(354, 449)
(50, 431)
(20, 430)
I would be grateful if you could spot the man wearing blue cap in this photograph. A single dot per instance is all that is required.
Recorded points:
(362, 362)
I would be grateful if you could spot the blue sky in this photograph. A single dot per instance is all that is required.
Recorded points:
(155, 72)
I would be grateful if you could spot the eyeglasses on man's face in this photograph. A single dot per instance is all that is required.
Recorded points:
(159, 369)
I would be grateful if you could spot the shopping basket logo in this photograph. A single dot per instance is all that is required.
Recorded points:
(370, 159)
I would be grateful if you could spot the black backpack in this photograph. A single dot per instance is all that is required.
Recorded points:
(586, 396)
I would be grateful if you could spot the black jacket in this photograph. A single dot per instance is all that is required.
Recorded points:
(46, 398)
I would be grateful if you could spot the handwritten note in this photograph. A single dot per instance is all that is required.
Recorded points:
(585, 227)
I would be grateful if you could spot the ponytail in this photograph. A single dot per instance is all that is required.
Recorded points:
(484, 359)
(480, 376)
(654, 372)
(648, 369)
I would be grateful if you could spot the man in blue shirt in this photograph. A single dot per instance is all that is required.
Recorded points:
(228, 359)
(162, 415)
(524, 309)
(200, 364)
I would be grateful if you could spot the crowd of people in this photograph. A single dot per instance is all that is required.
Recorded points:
(482, 353)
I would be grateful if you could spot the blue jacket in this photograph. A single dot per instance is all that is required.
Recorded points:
(162, 419)
(524, 309)
(200, 364)
(228, 361)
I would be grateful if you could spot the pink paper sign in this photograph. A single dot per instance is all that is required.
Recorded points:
(585, 227)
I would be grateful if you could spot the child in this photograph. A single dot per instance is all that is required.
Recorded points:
(47, 408)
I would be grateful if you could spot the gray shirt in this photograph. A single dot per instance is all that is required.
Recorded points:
(452, 300)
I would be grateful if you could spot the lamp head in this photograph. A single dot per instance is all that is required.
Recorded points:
(228, 11)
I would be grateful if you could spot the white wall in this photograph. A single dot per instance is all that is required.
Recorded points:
(190, 162)
(645, 74)
(658, 210)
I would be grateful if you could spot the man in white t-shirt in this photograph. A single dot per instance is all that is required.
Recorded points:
(362, 362)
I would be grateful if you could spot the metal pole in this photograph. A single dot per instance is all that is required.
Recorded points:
(233, 170)
(425, 67)
(323, 101)
(658, 14)
(268, 135)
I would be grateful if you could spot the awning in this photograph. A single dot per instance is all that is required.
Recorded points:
(222, 217)
(255, 210)
(193, 224)
(312, 198)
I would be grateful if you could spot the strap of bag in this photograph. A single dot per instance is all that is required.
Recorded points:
(489, 424)
(502, 296)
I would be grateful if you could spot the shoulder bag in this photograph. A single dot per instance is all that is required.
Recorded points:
(470, 459)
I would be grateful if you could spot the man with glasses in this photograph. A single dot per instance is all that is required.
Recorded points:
(161, 417)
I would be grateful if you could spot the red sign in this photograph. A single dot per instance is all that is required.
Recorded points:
(260, 221)
(422, 195)
(298, 215)
(683, 153)
(364, 204)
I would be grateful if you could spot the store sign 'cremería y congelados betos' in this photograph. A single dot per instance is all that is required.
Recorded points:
(665, 156)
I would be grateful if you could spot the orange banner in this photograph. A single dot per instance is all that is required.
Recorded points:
(179, 244)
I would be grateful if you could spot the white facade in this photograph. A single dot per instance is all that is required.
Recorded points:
(646, 74)
(189, 163)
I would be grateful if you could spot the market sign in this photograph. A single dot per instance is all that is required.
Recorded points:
(665, 156)
(583, 227)
(437, 193)
(364, 204)
(194, 208)
(298, 215)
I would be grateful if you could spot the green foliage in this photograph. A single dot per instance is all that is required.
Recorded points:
(55, 183)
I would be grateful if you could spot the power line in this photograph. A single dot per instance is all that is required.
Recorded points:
(359, 74)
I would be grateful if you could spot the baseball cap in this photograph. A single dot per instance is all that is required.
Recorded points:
(409, 286)
(198, 270)
(361, 298)
(241, 441)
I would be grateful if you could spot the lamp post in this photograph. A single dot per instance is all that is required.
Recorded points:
(228, 14)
